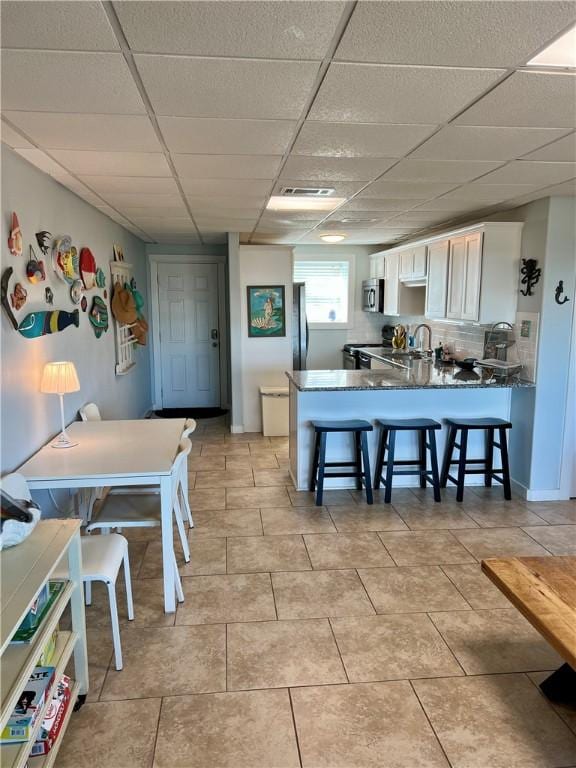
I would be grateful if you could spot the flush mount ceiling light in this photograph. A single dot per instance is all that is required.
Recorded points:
(332, 238)
(280, 203)
(560, 53)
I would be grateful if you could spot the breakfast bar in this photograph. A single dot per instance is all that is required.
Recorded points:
(421, 389)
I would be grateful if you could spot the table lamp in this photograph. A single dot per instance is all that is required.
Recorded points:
(59, 379)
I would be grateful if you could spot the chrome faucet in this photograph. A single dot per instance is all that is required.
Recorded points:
(418, 327)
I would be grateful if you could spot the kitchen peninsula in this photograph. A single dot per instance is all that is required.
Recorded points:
(420, 389)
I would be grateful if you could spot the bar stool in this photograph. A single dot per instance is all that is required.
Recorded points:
(357, 428)
(490, 426)
(424, 427)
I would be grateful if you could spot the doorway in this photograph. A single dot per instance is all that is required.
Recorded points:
(188, 351)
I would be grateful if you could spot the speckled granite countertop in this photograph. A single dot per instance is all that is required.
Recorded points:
(421, 375)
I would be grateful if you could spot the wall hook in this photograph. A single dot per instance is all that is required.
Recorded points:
(559, 292)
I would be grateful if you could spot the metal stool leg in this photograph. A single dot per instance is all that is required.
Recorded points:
(380, 458)
(321, 467)
(489, 458)
(448, 451)
(358, 459)
(434, 464)
(462, 464)
(366, 463)
(422, 452)
(390, 466)
(505, 464)
(315, 462)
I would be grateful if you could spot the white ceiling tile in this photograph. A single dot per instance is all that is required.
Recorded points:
(438, 170)
(368, 93)
(535, 99)
(127, 185)
(334, 168)
(159, 224)
(225, 225)
(114, 133)
(563, 150)
(273, 30)
(144, 201)
(227, 166)
(226, 187)
(12, 138)
(417, 218)
(341, 188)
(48, 81)
(567, 189)
(358, 139)
(209, 203)
(452, 32)
(218, 136)
(462, 142)
(226, 87)
(290, 217)
(537, 174)
(488, 193)
(450, 204)
(361, 203)
(217, 211)
(167, 212)
(41, 161)
(113, 163)
(406, 189)
(77, 26)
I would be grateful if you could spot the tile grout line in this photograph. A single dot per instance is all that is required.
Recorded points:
(430, 722)
(445, 642)
(356, 571)
(329, 618)
(153, 751)
(294, 724)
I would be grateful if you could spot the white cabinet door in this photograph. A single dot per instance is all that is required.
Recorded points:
(419, 262)
(472, 277)
(377, 268)
(436, 288)
(456, 276)
(392, 284)
(406, 263)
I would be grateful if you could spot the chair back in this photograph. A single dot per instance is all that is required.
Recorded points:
(15, 485)
(177, 467)
(90, 412)
(189, 427)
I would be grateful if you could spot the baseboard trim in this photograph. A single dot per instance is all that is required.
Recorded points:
(237, 429)
(551, 495)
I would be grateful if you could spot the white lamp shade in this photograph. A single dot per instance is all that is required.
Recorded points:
(59, 378)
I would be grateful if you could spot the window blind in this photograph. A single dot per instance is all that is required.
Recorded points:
(326, 289)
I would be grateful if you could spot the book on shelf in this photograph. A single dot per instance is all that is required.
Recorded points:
(25, 715)
(53, 719)
(29, 626)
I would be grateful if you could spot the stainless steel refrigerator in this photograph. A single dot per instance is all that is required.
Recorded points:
(300, 332)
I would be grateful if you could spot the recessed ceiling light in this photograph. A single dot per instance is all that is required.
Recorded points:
(560, 53)
(332, 238)
(280, 203)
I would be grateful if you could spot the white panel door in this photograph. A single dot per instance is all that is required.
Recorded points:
(189, 335)
(436, 287)
(456, 275)
(472, 277)
(419, 266)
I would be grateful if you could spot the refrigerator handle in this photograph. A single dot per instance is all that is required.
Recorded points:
(307, 336)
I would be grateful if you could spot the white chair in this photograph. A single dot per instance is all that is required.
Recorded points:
(90, 412)
(102, 557)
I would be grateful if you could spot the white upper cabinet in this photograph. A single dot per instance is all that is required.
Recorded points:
(413, 264)
(473, 279)
(377, 266)
(437, 287)
(392, 284)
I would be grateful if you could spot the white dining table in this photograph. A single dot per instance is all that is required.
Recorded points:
(116, 453)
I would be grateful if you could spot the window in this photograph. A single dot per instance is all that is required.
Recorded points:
(329, 297)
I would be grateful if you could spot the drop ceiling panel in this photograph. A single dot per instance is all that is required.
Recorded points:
(361, 203)
(227, 166)
(76, 26)
(134, 186)
(453, 33)
(534, 99)
(273, 30)
(226, 187)
(48, 81)
(226, 87)
(335, 168)
(114, 133)
(42, 161)
(219, 136)
(211, 203)
(368, 93)
(462, 142)
(406, 189)
(559, 151)
(537, 174)
(136, 200)
(488, 193)
(358, 140)
(442, 170)
(223, 225)
(449, 204)
(113, 163)
(173, 212)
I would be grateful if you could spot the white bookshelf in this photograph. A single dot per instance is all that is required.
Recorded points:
(24, 570)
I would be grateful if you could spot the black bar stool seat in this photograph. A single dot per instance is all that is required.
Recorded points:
(490, 426)
(359, 429)
(387, 445)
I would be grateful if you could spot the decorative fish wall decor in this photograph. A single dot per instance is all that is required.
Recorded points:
(41, 323)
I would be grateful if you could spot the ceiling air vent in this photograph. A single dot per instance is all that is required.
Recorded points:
(307, 191)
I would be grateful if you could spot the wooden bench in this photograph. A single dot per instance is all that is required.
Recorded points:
(544, 591)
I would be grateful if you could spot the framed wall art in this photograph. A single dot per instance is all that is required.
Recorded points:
(266, 311)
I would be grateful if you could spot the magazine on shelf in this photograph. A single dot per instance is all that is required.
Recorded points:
(26, 631)
(53, 719)
(23, 719)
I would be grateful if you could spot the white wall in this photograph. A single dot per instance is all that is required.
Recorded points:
(30, 418)
(325, 350)
(263, 361)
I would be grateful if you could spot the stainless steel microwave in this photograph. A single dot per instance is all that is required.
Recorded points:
(373, 295)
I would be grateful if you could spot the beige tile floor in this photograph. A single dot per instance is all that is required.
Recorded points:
(345, 636)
